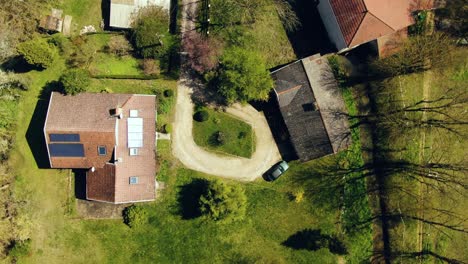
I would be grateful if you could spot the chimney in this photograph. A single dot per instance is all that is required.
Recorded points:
(117, 112)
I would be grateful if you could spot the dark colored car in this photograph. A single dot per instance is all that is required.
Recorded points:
(276, 171)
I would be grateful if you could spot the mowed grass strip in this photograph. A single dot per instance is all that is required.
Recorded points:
(238, 134)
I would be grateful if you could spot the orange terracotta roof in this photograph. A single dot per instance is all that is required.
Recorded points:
(361, 21)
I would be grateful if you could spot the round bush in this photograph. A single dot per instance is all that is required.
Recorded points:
(167, 128)
(135, 216)
(223, 202)
(75, 81)
(168, 93)
(201, 116)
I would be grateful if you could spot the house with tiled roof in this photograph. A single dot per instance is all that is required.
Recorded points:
(350, 23)
(111, 136)
(312, 108)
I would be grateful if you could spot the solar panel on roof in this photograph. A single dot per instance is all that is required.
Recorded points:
(135, 132)
(64, 137)
(66, 150)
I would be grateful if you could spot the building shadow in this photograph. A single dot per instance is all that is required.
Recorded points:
(277, 126)
(311, 37)
(105, 13)
(35, 133)
(80, 183)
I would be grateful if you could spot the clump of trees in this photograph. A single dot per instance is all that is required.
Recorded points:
(75, 81)
(135, 216)
(223, 202)
(455, 15)
(150, 34)
(37, 52)
(242, 76)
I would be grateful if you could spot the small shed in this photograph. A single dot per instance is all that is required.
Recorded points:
(52, 22)
(123, 11)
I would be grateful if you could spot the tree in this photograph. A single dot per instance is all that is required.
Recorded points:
(223, 202)
(37, 52)
(75, 81)
(203, 52)
(150, 33)
(243, 76)
(135, 216)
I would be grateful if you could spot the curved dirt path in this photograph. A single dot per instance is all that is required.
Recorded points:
(194, 157)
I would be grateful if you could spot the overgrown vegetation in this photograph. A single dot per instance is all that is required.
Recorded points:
(242, 77)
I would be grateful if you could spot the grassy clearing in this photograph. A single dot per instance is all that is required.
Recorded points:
(113, 65)
(239, 135)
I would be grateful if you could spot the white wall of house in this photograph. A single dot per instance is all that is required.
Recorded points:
(331, 24)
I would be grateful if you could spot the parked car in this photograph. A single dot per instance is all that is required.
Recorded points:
(276, 171)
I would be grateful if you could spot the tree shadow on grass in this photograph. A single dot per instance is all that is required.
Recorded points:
(313, 239)
(188, 197)
(18, 64)
(35, 133)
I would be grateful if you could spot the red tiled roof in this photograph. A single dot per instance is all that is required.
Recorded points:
(89, 116)
(361, 21)
(349, 14)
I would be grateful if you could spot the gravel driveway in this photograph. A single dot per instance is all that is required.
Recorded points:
(194, 157)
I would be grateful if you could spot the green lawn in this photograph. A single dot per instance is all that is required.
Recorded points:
(106, 64)
(239, 137)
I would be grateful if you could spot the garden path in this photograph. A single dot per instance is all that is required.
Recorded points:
(193, 156)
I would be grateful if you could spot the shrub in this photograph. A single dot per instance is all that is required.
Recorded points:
(37, 52)
(223, 202)
(314, 240)
(118, 45)
(167, 128)
(135, 216)
(220, 138)
(84, 51)
(201, 116)
(168, 93)
(20, 248)
(150, 67)
(75, 81)
(298, 196)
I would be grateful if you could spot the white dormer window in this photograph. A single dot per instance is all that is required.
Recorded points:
(133, 113)
(133, 151)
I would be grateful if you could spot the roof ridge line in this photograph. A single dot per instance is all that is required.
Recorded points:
(360, 23)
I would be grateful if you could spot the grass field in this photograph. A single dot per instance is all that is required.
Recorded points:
(423, 146)
(239, 135)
